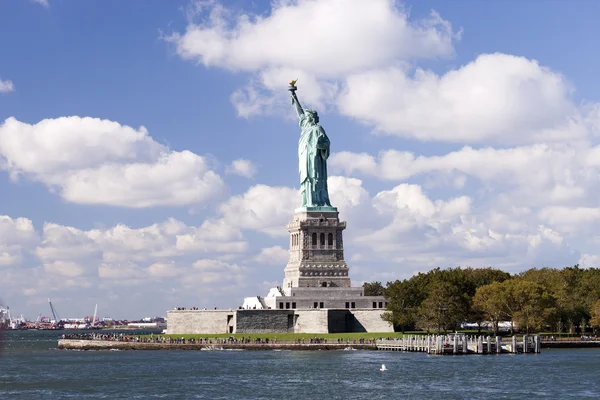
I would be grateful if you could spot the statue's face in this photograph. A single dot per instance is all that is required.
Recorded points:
(314, 117)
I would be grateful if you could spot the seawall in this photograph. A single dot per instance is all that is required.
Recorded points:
(73, 344)
(570, 344)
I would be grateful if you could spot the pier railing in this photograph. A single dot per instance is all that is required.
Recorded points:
(461, 344)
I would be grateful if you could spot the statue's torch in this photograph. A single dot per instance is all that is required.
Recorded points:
(292, 88)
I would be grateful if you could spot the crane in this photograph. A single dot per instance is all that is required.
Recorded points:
(37, 321)
(54, 313)
(95, 314)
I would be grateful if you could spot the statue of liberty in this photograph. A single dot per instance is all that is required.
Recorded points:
(313, 151)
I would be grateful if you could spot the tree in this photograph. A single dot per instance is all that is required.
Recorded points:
(444, 308)
(403, 300)
(574, 290)
(491, 301)
(484, 276)
(534, 305)
(374, 289)
(595, 312)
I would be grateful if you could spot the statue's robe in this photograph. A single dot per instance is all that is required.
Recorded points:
(313, 151)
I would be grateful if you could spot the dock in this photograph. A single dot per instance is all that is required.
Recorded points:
(456, 344)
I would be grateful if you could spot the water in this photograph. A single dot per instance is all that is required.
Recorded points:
(32, 368)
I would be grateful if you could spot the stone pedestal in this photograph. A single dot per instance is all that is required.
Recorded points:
(316, 250)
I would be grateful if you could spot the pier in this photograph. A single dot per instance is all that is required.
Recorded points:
(455, 344)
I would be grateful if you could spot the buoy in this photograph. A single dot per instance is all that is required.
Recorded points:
(383, 368)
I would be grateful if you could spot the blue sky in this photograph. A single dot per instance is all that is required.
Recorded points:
(464, 137)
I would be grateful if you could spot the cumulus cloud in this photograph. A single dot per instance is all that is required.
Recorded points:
(17, 236)
(533, 205)
(64, 268)
(63, 260)
(211, 271)
(94, 161)
(301, 39)
(6, 86)
(267, 209)
(306, 34)
(421, 233)
(590, 261)
(535, 175)
(498, 97)
(275, 255)
(242, 167)
(122, 244)
(366, 74)
(262, 208)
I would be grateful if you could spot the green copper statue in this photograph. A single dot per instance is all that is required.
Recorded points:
(313, 151)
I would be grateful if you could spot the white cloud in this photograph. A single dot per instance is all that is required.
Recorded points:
(573, 220)
(421, 233)
(121, 261)
(122, 244)
(9, 258)
(495, 98)
(302, 39)
(17, 236)
(17, 231)
(262, 208)
(498, 97)
(6, 86)
(211, 271)
(93, 161)
(242, 167)
(64, 268)
(164, 270)
(268, 209)
(306, 34)
(590, 261)
(275, 255)
(411, 208)
(120, 271)
(535, 175)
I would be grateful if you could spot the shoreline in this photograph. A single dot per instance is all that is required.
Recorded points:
(79, 344)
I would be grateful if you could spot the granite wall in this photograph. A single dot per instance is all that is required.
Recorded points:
(311, 321)
(370, 321)
(201, 321)
(265, 321)
(276, 321)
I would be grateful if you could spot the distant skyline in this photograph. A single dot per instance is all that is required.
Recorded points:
(148, 148)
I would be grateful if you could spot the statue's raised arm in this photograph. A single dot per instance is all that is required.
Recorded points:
(292, 88)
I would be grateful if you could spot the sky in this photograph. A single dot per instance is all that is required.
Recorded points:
(148, 149)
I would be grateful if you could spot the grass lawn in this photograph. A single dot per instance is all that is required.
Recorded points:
(292, 337)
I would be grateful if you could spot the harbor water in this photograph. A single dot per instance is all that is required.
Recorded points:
(32, 368)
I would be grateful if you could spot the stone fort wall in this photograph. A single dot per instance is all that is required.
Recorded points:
(201, 321)
(276, 321)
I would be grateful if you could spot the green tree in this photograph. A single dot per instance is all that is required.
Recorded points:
(484, 276)
(403, 300)
(491, 301)
(574, 290)
(445, 307)
(595, 315)
(534, 305)
(374, 289)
